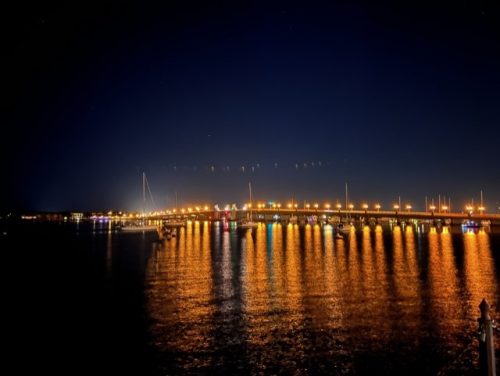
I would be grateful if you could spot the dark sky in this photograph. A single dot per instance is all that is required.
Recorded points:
(396, 100)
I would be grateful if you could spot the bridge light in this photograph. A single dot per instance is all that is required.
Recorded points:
(351, 206)
(327, 206)
(408, 207)
(377, 206)
(365, 206)
(432, 207)
(444, 208)
(289, 206)
(339, 206)
(395, 206)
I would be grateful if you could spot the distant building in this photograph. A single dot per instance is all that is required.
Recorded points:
(77, 217)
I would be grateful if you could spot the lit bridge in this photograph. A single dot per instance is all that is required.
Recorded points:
(271, 214)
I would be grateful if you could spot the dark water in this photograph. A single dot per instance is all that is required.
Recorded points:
(282, 299)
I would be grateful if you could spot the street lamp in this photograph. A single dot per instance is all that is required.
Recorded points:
(444, 208)
(308, 206)
(377, 206)
(481, 209)
(327, 206)
(432, 208)
(408, 207)
(351, 206)
(395, 207)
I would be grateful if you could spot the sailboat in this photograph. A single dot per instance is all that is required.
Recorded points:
(344, 227)
(141, 226)
(249, 223)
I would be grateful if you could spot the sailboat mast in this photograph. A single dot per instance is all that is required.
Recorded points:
(346, 199)
(143, 193)
(250, 191)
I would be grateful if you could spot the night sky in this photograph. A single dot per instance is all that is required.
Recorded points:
(396, 100)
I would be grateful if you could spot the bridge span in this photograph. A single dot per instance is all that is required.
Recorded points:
(274, 213)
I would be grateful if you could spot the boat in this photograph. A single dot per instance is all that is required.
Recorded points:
(249, 223)
(173, 224)
(141, 225)
(344, 227)
(470, 224)
(170, 232)
(138, 227)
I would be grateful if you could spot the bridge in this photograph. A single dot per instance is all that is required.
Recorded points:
(285, 213)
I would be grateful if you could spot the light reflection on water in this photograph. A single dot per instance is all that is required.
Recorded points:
(281, 298)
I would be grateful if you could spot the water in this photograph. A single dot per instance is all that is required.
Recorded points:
(280, 299)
